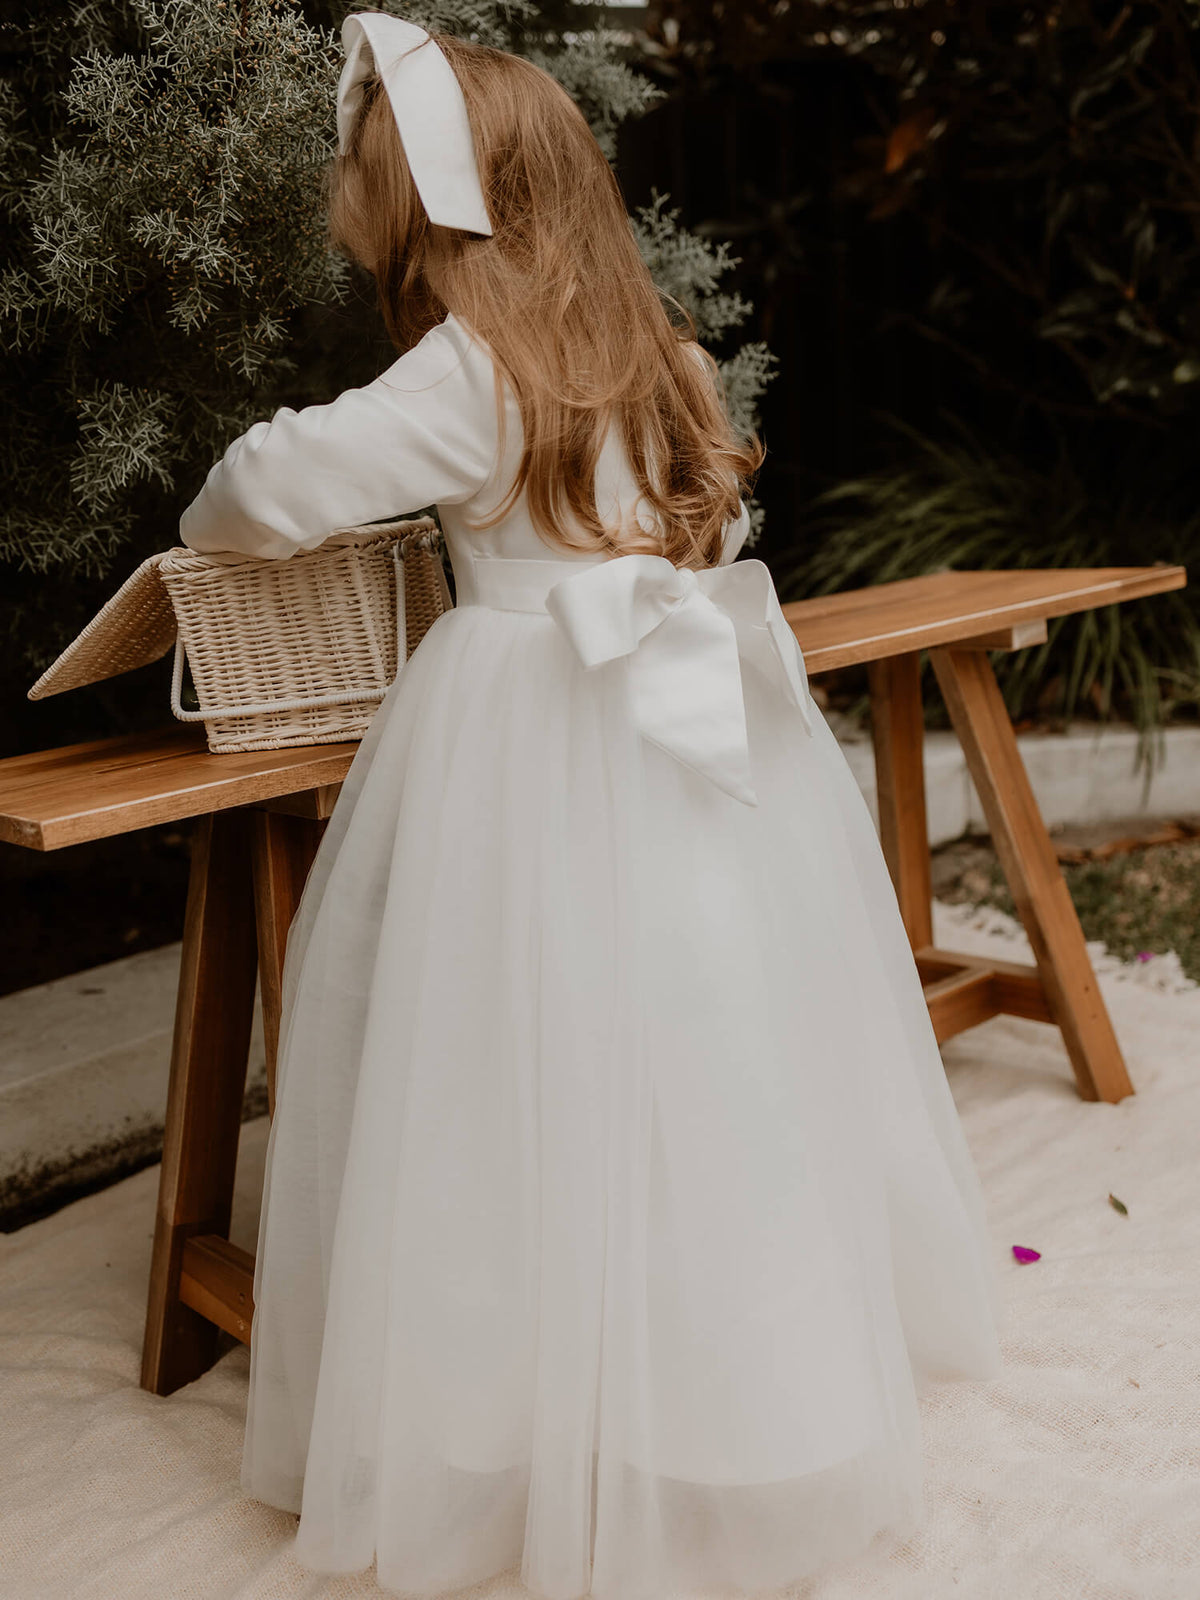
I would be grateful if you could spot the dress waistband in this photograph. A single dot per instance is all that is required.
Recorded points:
(510, 584)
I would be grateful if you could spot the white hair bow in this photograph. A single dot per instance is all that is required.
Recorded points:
(427, 103)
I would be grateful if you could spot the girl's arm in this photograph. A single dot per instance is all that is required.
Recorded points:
(422, 434)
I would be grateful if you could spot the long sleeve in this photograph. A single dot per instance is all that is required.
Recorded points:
(423, 433)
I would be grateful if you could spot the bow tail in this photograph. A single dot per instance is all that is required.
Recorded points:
(746, 592)
(791, 660)
(686, 683)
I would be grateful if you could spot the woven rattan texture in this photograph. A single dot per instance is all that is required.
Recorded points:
(265, 639)
(426, 594)
(135, 627)
(283, 633)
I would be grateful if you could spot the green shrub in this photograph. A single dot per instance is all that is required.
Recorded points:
(164, 276)
(963, 505)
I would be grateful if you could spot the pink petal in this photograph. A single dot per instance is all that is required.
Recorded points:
(1022, 1254)
(1144, 955)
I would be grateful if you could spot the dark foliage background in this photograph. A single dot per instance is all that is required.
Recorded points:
(972, 235)
(968, 231)
(165, 278)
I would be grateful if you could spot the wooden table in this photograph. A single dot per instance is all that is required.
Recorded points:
(959, 617)
(260, 821)
(261, 816)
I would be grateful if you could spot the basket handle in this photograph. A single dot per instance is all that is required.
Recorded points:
(310, 702)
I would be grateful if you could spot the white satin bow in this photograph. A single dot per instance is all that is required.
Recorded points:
(686, 633)
(430, 111)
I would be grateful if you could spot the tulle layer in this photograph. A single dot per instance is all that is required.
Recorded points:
(616, 1202)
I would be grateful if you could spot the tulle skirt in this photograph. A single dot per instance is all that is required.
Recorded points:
(616, 1203)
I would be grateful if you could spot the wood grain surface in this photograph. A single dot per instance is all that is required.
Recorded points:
(92, 791)
(890, 619)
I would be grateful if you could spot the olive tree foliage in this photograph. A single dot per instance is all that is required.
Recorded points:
(164, 267)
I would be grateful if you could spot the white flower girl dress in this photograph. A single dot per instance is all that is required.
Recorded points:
(616, 1202)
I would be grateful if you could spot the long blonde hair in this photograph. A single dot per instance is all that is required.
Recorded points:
(562, 299)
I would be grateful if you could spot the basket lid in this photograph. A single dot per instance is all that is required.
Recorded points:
(138, 624)
(132, 629)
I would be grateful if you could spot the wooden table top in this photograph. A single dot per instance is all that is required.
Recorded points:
(857, 625)
(92, 791)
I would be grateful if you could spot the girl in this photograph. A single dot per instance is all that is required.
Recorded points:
(616, 1202)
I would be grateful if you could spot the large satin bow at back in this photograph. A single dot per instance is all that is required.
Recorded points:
(685, 634)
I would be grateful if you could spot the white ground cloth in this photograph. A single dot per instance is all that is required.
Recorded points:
(1075, 1476)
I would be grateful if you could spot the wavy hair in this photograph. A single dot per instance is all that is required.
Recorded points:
(560, 296)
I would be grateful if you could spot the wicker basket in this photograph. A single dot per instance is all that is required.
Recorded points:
(281, 653)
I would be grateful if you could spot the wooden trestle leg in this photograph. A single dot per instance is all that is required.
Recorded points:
(213, 1014)
(284, 847)
(964, 990)
(248, 872)
(1027, 857)
(898, 732)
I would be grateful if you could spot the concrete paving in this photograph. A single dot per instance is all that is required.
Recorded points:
(83, 1080)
